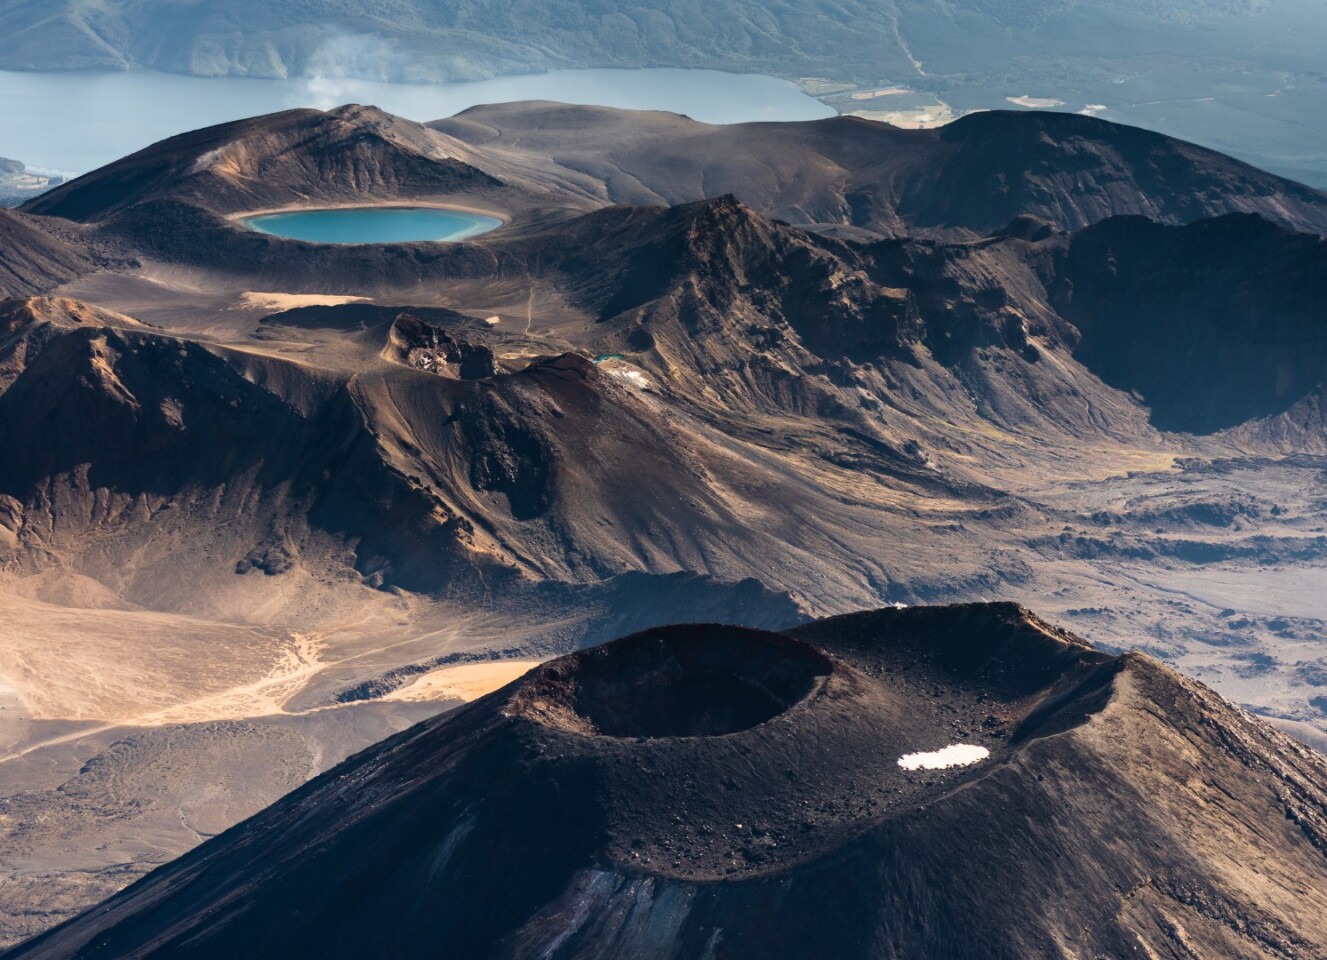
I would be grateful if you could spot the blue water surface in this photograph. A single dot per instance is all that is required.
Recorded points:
(374, 225)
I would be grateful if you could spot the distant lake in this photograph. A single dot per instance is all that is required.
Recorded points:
(374, 225)
(71, 123)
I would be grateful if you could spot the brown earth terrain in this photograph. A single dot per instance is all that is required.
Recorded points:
(260, 496)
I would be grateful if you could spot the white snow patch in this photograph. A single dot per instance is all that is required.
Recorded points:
(634, 377)
(954, 755)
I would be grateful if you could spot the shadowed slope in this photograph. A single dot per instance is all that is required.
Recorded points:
(1170, 311)
(33, 261)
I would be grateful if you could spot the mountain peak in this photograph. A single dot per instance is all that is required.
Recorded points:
(352, 152)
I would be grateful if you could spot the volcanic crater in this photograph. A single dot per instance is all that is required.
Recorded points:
(707, 681)
(372, 224)
(721, 752)
(564, 817)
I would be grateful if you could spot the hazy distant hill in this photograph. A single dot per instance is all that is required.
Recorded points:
(436, 39)
(414, 39)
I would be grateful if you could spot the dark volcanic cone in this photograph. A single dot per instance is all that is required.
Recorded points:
(707, 791)
(175, 200)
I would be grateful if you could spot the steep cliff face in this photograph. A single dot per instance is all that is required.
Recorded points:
(709, 791)
(1157, 312)
(1170, 312)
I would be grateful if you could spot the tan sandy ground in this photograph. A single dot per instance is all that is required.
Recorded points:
(72, 657)
(465, 681)
(265, 300)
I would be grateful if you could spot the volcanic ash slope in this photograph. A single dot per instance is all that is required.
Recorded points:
(705, 791)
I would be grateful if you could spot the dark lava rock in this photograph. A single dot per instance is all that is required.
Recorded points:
(705, 791)
(424, 346)
(273, 558)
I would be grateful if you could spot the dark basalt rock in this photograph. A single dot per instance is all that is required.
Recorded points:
(423, 346)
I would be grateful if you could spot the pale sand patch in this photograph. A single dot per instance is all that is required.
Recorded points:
(116, 665)
(465, 681)
(954, 755)
(922, 118)
(267, 300)
(872, 94)
(1036, 103)
(626, 372)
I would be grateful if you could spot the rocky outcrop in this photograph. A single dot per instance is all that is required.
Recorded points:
(421, 345)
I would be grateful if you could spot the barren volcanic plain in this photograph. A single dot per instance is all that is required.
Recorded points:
(264, 503)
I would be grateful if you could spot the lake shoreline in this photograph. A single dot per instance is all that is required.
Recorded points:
(102, 117)
(397, 204)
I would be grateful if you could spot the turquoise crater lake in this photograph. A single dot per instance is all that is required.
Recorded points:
(374, 225)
